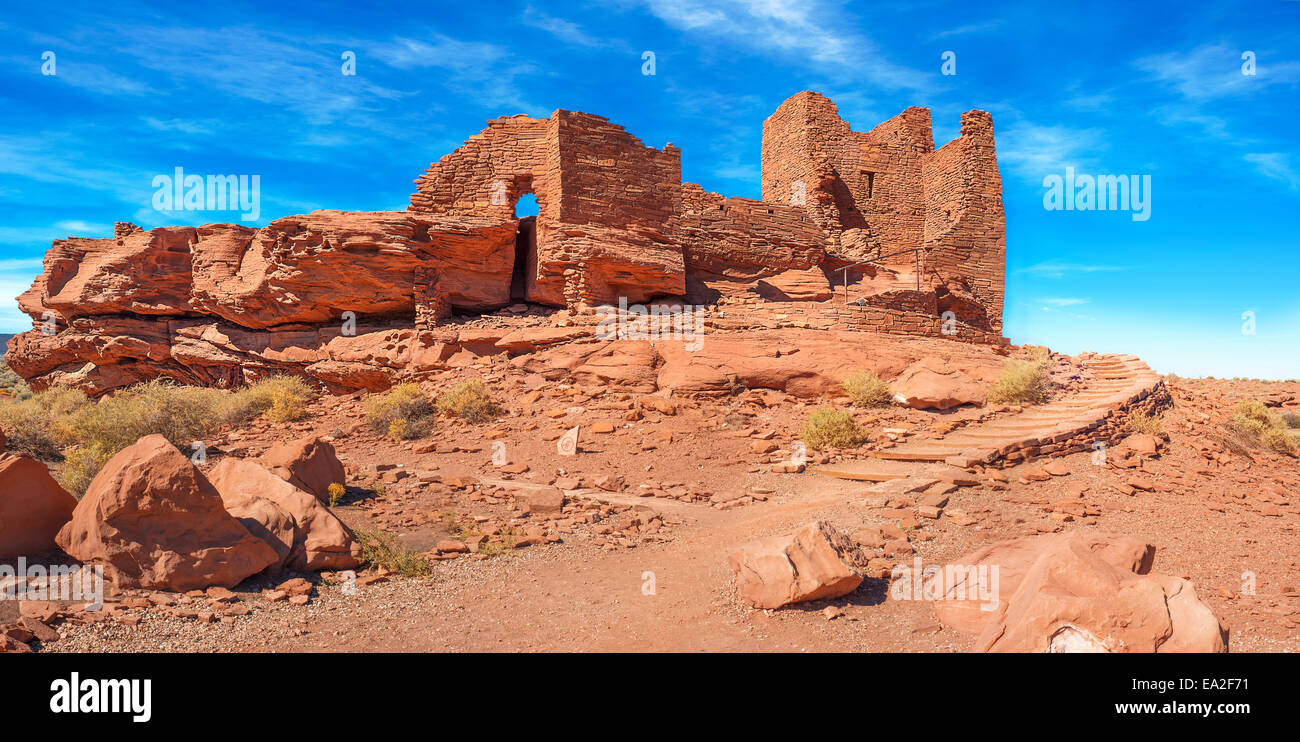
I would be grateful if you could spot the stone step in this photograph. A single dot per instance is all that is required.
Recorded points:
(1007, 435)
(867, 471)
(894, 454)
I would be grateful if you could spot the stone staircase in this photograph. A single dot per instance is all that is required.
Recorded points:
(1121, 384)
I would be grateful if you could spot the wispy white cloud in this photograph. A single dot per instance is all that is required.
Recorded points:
(1054, 269)
(489, 72)
(567, 31)
(1034, 151)
(1203, 80)
(817, 34)
(1214, 71)
(972, 28)
(1275, 165)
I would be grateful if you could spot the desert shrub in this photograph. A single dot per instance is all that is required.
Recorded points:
(181, 414)
(280, 398)
(80, 467)
(470, 402)
(1021, 382)
(29, 429)
(335, 491)
(59, 400)
(1251, 417)
(382, 549)
(830, 427)
(1140, 423)
(1254, 426)
(867, 390)
(32, 425)
(96, 432)
(12, 384)
(404, 413)
(1291, 420)
(1037, 353)
(1279, 440)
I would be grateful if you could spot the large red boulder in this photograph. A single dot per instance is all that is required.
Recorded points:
(309, 463)
(1082, 593)
(152, 520)
(931, 383)
(304, 532)
(33, 507)
(968, 605)
(813, 562)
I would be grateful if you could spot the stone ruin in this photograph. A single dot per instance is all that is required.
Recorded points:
(877, 230)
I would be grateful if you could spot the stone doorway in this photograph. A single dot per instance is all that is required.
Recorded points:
(525, 266)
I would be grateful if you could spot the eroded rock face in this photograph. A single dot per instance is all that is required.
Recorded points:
(796, 285)
(301, 530)
(152, 520)
(814, 562)
(308, 463)
(33, 507)
(1080, 593)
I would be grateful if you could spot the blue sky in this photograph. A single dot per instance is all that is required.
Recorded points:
(1107, 88)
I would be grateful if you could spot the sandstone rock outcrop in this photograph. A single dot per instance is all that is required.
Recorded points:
(152, 520)
(308, 463)
(33, 507)
(357, 299)
(1077, 593)
(796, 285)
(813, 562)
(804, 363)
(303, 532)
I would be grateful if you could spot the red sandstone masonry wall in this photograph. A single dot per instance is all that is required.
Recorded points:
(965, 225)
(886, 182)
(865, 188)
(604, 202)
(615, 219)
(609, 177)
(514, 151)
(794, 162)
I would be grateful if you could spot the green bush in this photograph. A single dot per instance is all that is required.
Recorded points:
(470, 402)
(867, 390)
(403, 413)
(830, 427)
(1022, 382)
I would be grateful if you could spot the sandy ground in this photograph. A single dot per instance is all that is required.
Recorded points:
(1218, 524)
